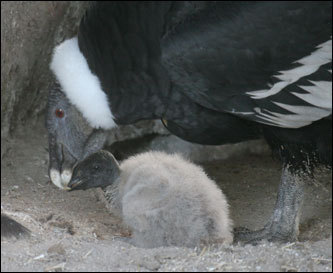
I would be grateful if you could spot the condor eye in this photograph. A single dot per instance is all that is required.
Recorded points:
(59, 113)
(96, 167)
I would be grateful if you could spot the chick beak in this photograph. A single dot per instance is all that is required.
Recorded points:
(74, 184)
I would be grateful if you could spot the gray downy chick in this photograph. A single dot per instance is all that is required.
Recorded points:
(163, 198)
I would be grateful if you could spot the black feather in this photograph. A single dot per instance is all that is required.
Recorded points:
(11, 228)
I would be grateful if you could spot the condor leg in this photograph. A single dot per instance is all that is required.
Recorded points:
(284, 223)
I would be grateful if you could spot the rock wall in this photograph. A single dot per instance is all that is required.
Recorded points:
(29, 31)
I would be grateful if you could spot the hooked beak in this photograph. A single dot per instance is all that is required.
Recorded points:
(62, 164)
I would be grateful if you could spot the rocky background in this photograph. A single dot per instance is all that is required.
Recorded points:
(29, 31)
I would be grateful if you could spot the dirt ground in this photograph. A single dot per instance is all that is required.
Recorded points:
(73, 231)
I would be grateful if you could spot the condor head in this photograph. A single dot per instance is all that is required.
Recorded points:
(71, 137)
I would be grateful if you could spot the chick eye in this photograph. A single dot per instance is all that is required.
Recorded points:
(59, 113)
(96, 167)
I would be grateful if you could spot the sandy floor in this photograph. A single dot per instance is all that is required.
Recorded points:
(74, 231)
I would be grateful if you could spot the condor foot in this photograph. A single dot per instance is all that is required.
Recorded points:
(269, 233)
(283, 224)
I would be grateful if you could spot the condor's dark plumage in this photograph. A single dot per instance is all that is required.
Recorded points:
(216, 72)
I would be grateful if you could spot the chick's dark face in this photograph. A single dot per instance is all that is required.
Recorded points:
(93, 172)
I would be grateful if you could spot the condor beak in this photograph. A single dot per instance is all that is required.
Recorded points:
(61, 164)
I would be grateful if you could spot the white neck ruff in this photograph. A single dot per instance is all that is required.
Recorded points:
(81, 86)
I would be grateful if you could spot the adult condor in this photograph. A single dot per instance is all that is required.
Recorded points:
(222, 73)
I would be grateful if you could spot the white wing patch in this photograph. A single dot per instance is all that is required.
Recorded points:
(233, 111)
(319, 96)
(280, 120)
(310, 64)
